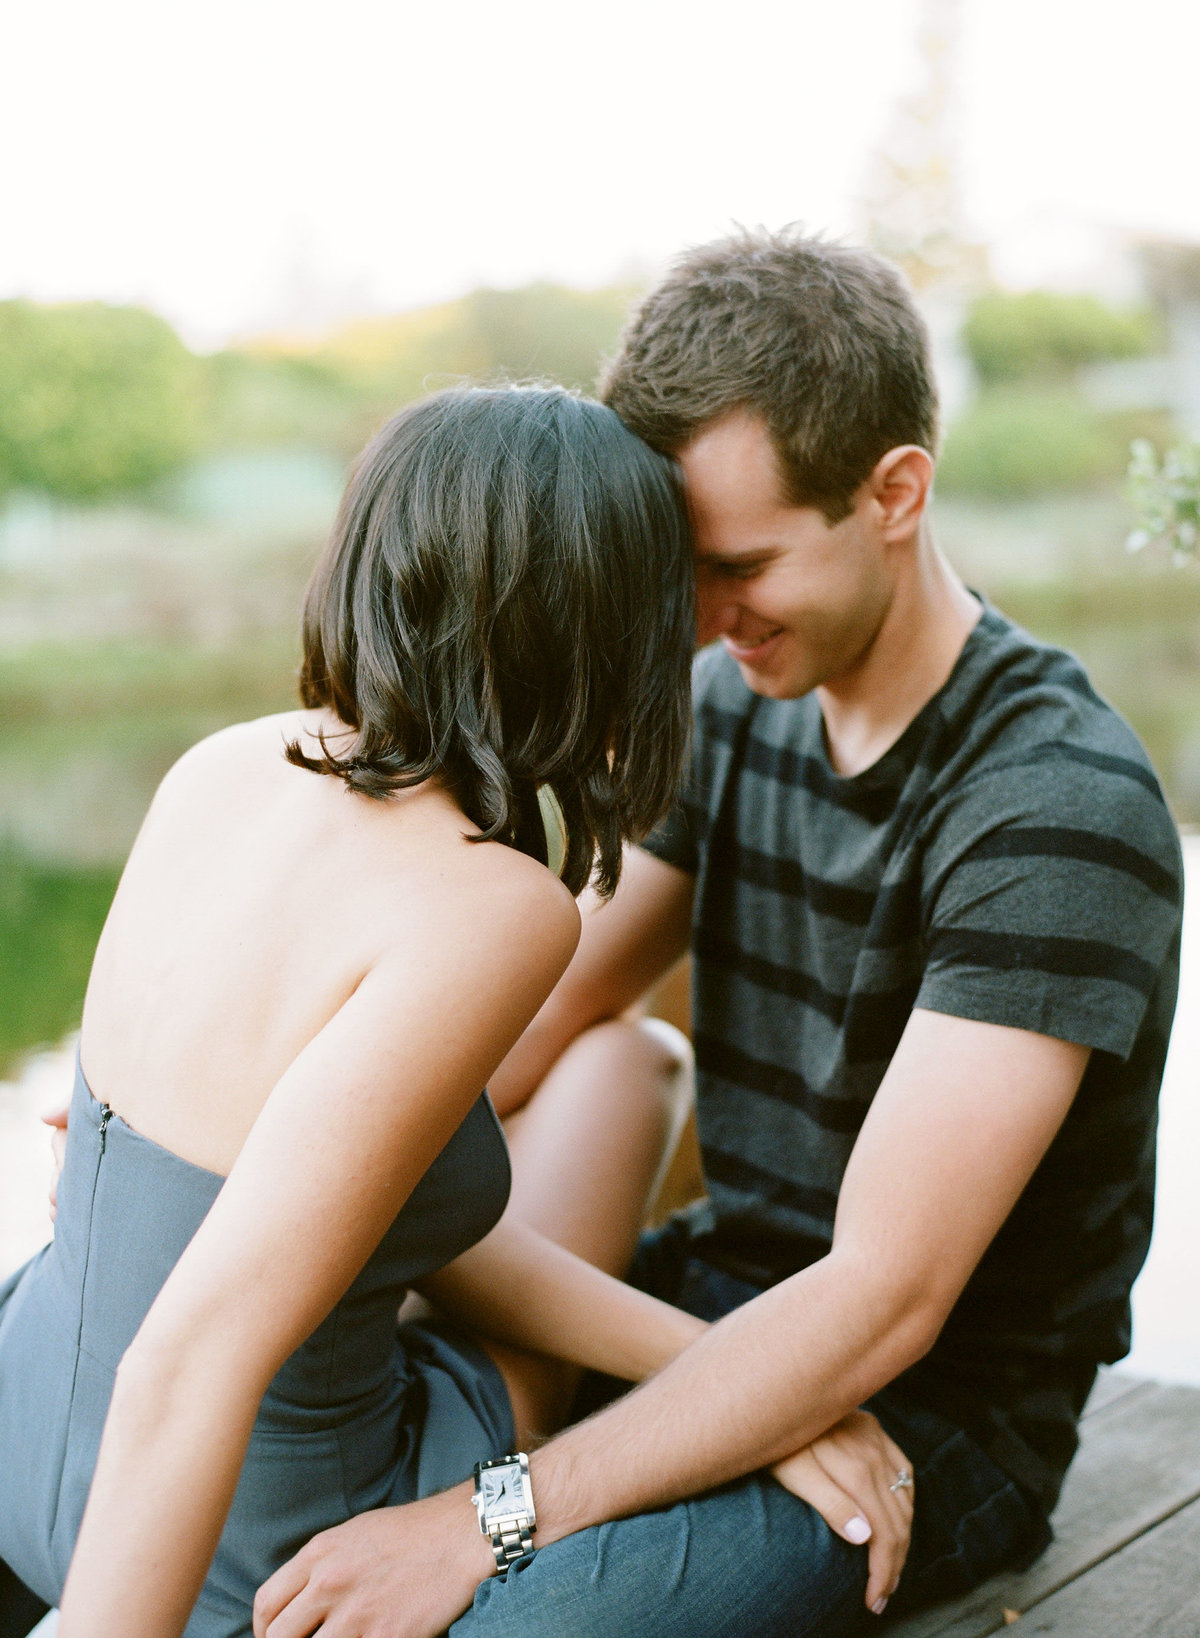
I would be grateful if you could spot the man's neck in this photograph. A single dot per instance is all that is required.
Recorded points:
(914, 651)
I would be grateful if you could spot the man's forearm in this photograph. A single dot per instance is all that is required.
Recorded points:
(762, 1382)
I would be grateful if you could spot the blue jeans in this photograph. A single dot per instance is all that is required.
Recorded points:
(750, 1560)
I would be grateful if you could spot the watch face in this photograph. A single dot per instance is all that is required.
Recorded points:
(503, 1492)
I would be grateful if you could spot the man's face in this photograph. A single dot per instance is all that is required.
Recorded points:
(796, 602)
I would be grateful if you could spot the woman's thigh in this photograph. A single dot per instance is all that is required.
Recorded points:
(747, 1559)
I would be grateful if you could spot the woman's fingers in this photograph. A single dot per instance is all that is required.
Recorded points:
(57, 1119)
(858, 1458)
(864, 1463)
(804, 1476)
(850, 1516)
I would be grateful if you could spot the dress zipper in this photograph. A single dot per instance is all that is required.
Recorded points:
(106, 1114)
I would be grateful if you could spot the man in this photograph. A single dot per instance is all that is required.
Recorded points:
(933, 897)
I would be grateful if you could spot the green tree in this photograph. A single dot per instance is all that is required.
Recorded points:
(259, 398)
(546, 330)
(93, 399)
(333, 391)
(1043, 333)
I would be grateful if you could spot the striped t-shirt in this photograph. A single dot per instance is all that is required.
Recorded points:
(1010, 859)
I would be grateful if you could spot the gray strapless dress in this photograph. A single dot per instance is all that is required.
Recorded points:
(364, 1414)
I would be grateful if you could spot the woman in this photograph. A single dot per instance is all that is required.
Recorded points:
(331, 929)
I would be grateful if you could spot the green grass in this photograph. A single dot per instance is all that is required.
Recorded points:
(50, 919)
(78, 683)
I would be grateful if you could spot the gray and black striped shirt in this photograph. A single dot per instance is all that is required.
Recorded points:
(1010, 859)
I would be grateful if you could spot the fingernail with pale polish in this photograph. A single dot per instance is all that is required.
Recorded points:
(858, 1530)
(878, 1607)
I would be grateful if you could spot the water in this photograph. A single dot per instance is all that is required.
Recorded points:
(1166, 1298)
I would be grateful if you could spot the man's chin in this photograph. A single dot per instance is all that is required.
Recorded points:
(774, 686)
(764, 669)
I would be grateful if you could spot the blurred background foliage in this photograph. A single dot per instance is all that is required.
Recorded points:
(1048, 334)
(93, 399)
(1032, 427)
(160, 511)
(98, 401)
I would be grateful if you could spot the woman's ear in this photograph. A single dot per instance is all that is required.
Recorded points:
(900, 485)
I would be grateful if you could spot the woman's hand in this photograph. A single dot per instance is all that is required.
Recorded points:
(847, 1475)
(400, 1572)
(56, 1119)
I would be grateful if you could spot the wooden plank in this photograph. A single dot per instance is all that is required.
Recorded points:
(1111, 1386)
(1138, 1463)
(1147, 1591)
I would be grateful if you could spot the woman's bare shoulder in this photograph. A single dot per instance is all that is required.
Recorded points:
(411, 860)
(257, 740)
(492, 888)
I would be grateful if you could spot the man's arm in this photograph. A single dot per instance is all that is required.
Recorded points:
(962, 1117)
(625, 947)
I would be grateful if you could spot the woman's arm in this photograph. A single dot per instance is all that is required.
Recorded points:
(560, 1305)
(340, 1143)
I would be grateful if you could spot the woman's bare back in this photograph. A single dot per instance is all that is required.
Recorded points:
(255, 899)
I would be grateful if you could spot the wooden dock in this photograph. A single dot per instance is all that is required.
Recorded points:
(1125, 1561)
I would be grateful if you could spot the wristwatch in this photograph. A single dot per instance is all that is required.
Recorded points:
(503, 1499)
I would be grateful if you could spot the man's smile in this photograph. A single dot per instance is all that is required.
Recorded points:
(749, 652)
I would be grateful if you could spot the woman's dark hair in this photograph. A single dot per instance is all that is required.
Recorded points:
(506, 603)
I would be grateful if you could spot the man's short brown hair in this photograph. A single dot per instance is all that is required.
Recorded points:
(821, 340)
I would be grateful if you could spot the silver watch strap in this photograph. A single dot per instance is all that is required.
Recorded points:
(510, 1541)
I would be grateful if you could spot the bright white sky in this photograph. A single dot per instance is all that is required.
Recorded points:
(234, 162)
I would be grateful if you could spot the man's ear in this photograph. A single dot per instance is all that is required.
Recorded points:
(900, 485)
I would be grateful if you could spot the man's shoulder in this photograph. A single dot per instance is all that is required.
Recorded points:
(1018, 700)
(1028, 744)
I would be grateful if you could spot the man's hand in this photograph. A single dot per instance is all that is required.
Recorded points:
(56, 1118)
(400, 1572)
(847, 1475)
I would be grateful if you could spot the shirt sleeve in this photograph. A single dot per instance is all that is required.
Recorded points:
(1052, 901)
(673, 840)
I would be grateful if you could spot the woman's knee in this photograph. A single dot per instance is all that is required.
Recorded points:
(651, 1060)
